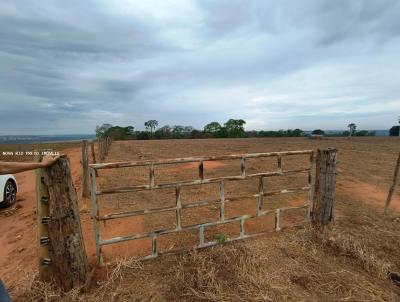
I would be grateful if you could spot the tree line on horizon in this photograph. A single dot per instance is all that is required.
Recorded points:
(233, 128)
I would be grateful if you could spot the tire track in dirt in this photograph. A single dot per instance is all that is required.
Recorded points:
(369, 194)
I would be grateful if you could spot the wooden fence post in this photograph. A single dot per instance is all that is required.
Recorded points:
(108, 143)
(101, 154)
(394, 184)
(85, 169)
(93, 155)
(324, 189)
(42, 215)
(67, 261)
(93, 152)
(103, 149)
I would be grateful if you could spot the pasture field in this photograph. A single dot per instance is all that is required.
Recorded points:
(351, 260)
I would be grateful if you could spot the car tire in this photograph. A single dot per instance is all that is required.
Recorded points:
(10, 194)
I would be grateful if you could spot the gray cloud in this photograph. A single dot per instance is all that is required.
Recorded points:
(68, 66)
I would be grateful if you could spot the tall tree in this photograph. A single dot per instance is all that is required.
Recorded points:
(318, 132)
(212, 128)
(163, 132)
(352, 129)
(151, 124)
(188, 129)
(177, 131)
(101, 130)
(394, 131)
(120, 133)
(235, 128)
(398, 119)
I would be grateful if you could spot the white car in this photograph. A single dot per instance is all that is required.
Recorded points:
(8, 190)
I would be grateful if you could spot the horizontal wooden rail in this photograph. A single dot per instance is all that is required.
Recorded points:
(213, 243)
(194, 226)
(194, 159)
(196, 204)
(138, 188)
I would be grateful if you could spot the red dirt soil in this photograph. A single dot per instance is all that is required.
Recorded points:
(369, 194)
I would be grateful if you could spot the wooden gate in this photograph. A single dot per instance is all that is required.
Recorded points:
(259, 197)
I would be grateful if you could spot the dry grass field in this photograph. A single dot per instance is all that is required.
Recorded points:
(348, 261)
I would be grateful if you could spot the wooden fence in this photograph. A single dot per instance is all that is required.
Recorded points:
(61, 250)
(103, 149)
(322, 214)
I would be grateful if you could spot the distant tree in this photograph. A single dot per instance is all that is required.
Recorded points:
(235, 128)
(352, 129)
(197, 134)
(101, 130)
(394, 131)
(120, 133)
(318, 132)
(187, 131)
(151, 124)
(398, 119)
(222, 133)
(212, 128)
(252, 133)
(362, 133)
(130, 129)
(293, 133)
(280, 133)
(163, 132)
(142, 135)
(177, 131)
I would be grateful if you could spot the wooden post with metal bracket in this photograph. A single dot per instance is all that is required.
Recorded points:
(62, 255)
(42, 215)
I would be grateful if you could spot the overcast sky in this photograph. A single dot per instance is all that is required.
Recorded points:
(67, 66)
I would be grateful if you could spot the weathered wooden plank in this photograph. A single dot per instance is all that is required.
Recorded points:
(95, 215)
(195, 159)
(222, 201)
(178, 207)
(260, 197)
(152, 176)
(85, 169)
(201, 170)
(214, 243)
(42, 214)
(199, 225)
(138, 188)
(243, 167)
(279, 158)
(198, 204)
(93, 152)
(325, 182)
(66, 247)
(277, 220)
